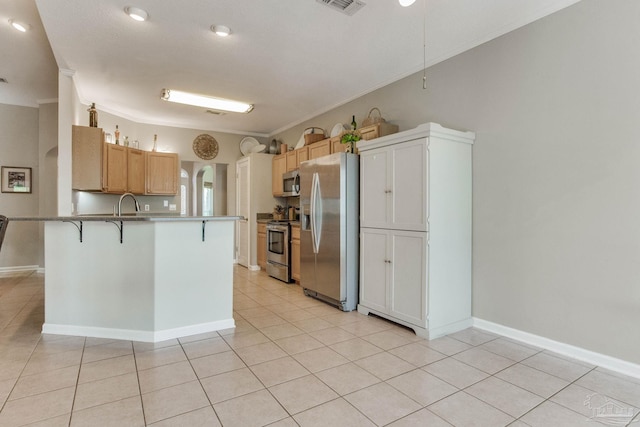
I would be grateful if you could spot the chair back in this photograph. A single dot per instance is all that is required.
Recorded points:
(4, 222)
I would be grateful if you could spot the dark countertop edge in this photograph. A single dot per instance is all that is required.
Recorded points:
(159, 218)
(293, 223)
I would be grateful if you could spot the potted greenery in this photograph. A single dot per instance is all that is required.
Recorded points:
(350, 138)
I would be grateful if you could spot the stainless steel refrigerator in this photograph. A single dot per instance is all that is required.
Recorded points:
(329, 228)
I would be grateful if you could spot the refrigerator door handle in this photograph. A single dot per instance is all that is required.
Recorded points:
(316, 212)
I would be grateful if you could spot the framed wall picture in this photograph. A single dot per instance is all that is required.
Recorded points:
(16, 180)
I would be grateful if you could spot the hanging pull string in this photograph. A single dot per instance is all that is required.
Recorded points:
(424, 47)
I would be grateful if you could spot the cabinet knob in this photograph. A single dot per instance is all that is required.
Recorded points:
(388, 261)
(387, 191)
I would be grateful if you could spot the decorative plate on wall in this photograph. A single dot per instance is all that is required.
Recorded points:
(205, 146)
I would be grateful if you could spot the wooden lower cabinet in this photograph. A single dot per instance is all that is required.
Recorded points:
(295, 252)
(262, 245)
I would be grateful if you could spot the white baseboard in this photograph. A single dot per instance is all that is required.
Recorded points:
(588, 356)
(136, 335)
(20, 268)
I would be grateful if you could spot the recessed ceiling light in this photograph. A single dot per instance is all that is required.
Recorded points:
(221, 30)
(205, 101)
(405, 3)
(136, 13)
(20, 26)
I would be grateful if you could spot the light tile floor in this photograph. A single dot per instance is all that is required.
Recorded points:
(290, 361)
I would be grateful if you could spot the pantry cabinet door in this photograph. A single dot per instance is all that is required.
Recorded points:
(374, 262)
(409, 186)
(408, 287)
(375, 189)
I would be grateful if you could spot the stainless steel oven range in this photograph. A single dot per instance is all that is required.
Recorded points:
(279, 250)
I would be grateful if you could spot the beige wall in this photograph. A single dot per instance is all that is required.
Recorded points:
(19, 147)
(556, 176)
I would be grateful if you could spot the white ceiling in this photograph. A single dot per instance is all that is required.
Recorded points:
(293, 59)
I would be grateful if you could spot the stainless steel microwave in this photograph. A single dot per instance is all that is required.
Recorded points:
(291, 184)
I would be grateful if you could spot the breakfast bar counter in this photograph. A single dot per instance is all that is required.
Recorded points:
(141, 277)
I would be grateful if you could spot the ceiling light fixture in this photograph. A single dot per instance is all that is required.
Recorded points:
(405, 3)
(205, 101)
(221, 30)
(136, 13)
(20, 26)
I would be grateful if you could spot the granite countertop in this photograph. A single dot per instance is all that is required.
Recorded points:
(140, 216)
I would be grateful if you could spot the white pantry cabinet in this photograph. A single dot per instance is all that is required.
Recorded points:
(253, 195)
(415, 229)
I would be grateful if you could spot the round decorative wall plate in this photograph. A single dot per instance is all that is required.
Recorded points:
(205, 146)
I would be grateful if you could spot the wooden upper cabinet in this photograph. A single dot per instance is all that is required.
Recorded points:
(278, 167)
(320, 148)
(111, 168)
(303, 155)
(292, 160)
(114, 169)
(377, 130)
(161, 173)
(337, 146)
(86, 148)
(136, 171)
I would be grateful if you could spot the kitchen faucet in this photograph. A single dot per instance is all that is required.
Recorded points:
(134, 199)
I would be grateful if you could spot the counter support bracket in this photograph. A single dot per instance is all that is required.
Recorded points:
(79, 227)
(119, 227)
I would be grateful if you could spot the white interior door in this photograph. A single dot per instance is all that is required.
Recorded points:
(242, 209)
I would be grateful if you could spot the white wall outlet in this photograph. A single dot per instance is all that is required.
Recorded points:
(166, 203)
(172, 207)
(146, 208)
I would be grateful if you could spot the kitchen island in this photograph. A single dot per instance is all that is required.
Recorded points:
(141, 277)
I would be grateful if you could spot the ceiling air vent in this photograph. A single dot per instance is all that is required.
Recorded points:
(348, 7)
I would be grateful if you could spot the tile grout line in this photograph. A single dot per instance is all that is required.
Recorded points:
(75, 389)
(135, 364)
(548, 399)
(199, 381)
